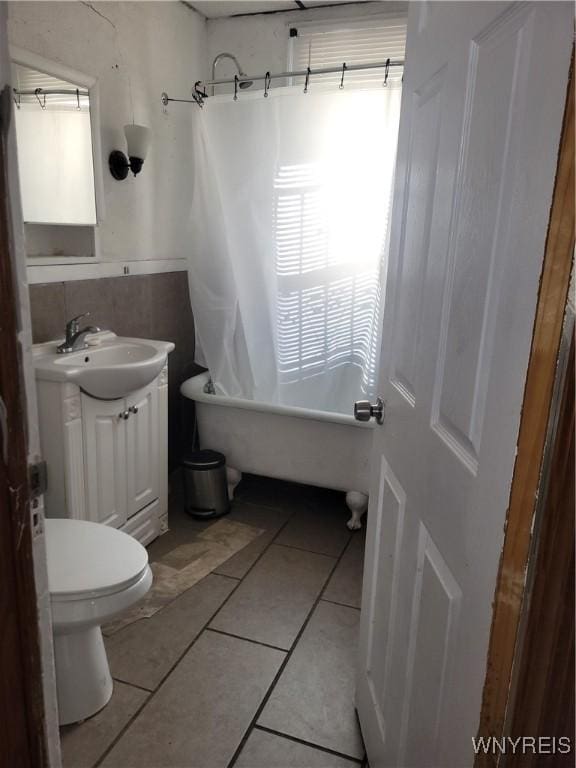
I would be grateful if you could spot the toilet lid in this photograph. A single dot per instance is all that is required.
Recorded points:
(84, 557)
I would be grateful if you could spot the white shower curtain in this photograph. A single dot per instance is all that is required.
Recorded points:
(290, 209)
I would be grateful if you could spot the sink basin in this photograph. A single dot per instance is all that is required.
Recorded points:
(121, 353)
(112, 369)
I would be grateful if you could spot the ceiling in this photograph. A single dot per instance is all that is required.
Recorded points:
(216, 9)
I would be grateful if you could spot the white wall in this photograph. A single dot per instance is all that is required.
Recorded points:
(260, 42)
(136, 50)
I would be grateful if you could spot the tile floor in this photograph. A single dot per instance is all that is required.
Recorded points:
(254, 665)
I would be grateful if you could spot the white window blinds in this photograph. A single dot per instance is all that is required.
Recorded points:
(352, 42)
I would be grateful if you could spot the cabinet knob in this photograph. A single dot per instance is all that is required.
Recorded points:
(133, 409)
(124, 415)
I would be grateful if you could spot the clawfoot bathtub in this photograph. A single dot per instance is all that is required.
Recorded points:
(329, 450)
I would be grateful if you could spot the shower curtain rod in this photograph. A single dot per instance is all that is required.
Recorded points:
(304, 72)
(17, 94)
(199, 92)
(50, 92)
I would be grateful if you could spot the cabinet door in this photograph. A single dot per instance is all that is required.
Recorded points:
(142, 435)
(104, 460)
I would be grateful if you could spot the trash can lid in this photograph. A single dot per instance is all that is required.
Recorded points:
(206, 459)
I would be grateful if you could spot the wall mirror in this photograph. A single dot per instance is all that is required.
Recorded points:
(58, 159)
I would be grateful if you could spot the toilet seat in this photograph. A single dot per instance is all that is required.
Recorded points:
(90, 560)
(95, 572)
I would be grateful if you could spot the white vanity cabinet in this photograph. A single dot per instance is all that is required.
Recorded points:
(104, 439)
(107, 459)
(142, 449)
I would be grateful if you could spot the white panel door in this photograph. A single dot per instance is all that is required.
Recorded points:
(142, 442)
(105, 460)
(483, 98)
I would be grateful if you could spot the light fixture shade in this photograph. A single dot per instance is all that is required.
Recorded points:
(138, 140)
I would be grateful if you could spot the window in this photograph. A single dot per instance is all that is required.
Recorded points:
(332, 186)
(353, 42)
(326, 310)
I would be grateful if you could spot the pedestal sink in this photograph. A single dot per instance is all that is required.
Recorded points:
(110, 368)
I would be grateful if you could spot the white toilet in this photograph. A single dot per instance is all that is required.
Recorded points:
(94, 573)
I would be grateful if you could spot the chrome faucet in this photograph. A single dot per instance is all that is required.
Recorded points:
(75, 336)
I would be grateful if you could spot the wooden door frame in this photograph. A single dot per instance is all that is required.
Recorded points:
(22, 718)
(542, 699)
(554, 285)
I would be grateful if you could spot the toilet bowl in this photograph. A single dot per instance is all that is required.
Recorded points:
(94, 573)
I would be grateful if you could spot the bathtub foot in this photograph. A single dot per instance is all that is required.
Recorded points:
(233, 477)
(357, 503)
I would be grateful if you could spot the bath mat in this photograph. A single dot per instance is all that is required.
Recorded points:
(184, 566)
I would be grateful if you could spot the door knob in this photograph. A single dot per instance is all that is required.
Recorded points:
(364, 410)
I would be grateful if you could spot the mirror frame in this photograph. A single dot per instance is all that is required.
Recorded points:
(34, 61)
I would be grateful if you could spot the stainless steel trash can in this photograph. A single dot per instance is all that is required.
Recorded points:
(205, 486)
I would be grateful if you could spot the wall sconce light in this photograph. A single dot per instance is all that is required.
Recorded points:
(137, 142)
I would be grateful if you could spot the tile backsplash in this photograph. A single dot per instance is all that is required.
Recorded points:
(147, 306)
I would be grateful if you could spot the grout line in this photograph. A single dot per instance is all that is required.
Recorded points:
(179, 659)
(355, 760)
(240, 500)
(246, 639)
(310, 551)
(365, 757)
(109, 635)
(64, 302)
(244, 500)
(342, 605)
(285, 662)
(223, 575)
(133, 685)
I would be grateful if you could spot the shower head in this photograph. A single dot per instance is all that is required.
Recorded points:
(244, 84)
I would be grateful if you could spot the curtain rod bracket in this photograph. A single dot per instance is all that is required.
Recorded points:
(197, 98)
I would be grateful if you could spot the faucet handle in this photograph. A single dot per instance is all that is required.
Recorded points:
(72, 325)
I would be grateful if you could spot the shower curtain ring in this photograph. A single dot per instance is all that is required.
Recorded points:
(342, 78)
(386, 68)
(235, 87)
(307, 80)
(37, 93)
(267, 78)
(197, 95)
